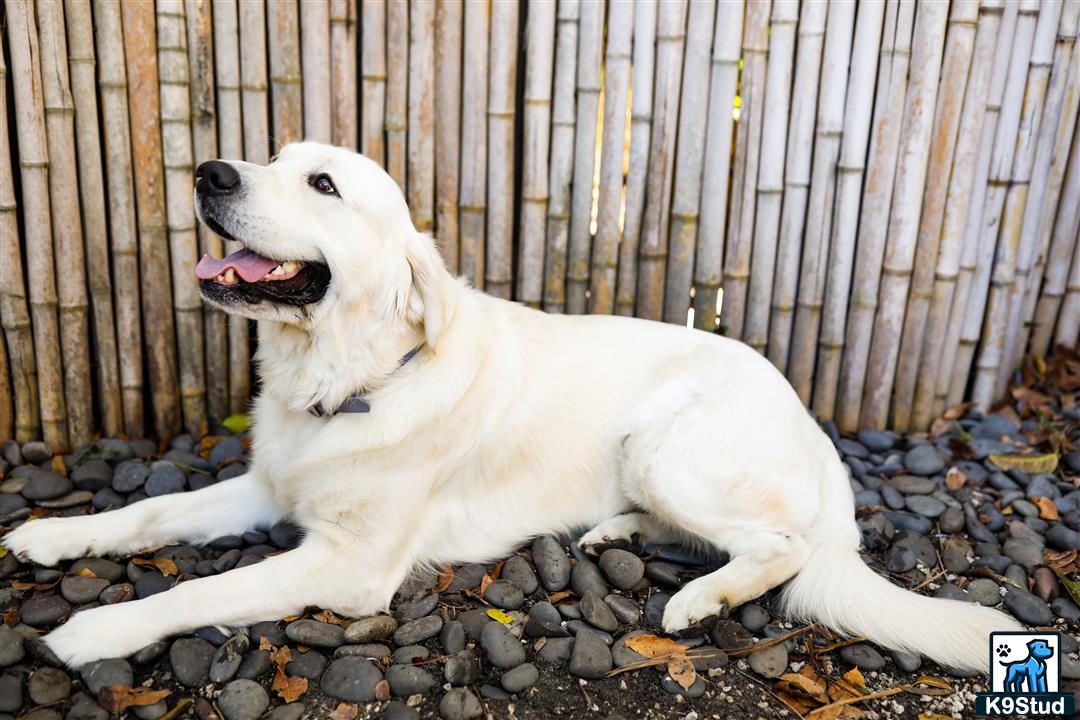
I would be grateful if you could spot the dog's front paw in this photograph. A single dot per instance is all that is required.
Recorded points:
(47, 541)
(691, 605)
(106, 632)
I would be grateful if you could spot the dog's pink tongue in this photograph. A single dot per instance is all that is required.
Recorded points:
(250, 266)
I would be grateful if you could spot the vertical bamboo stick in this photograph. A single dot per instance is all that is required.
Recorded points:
(34, 175)
(286, 92)
(1068, 323)
(254, 83)
(652, 256)
(500, 190)
(641, 101)
(14, 315)
(868, 50)
(226, 54)
(605, 254)
(80, 40)
(344, 111)
(1010, 161)
(1056, 281)
(562, 154)
(874, 215)
(447, 128)
(70, 257)
(397, 89)
(839, 29)
(7, 409)
(183, 242)
(373, 71)
(800, 143)
(740, 220)
(421, 139)
(200, 43)
(915, 137)
(140, 44)
(953, 209)
(315, 58)
(1057, 125)
(539, 61)
(690, 146)
(770, 182)
(589, 63)
(116, 133)
(974, 262)
(474, 94)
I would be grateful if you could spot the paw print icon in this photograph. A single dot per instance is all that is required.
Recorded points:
(1002, 651)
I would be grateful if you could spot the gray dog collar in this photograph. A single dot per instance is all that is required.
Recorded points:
(357, 403)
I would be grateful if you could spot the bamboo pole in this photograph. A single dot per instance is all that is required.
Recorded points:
(421, 138)
(1056, 282)
(641, 101)
(14, 315)
(874, 215)
(740, 220)
(797, 169)
(286, 92)
(690, 147)
(499, 271)
(34, 175)
(992, 367)
(70, 256)
(1009, 165)
(974, 260)
(770, 182)
(652, 256)
(183, 241)
(448, 44)
(605, 254)
(589, 63)
(140, 44)
(896, 272)
(373, 73)
(80, 40)
(255, 101)
(562, 153)
(953, 208)
(397, 89)
(116, 134)
(1058, 123)
(200, 44)
(7, 410)
(839, 29)
(536, 138)
(315, 59)
(344, 111)
(1068, 323)
(869, 48)
(474, 93)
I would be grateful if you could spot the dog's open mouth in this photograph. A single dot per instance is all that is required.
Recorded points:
(246, 276)
(246, 266)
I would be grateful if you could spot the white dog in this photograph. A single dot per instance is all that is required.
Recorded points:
(406, 418)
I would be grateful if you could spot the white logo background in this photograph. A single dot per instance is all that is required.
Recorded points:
(1010, 648)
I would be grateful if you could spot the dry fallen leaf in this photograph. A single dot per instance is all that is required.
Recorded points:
(1067, 561)
(58, 465)
(557, 597)
(289, 688)
(938, 685)
(19, 586)
(856, 678)
(798, 683)
(165, 566)
(957, 411)
(955, 478)
(1030, 464)
(484, 582)
(681, 670)
(1047, 509)
(329, 617)
(653, 647)
(446, 576)
(118, 698)
(344, 711)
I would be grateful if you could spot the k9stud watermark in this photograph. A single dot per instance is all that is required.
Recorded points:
(1025, 676)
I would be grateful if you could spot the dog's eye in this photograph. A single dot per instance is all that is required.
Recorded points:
(323, 184)
(273, 160)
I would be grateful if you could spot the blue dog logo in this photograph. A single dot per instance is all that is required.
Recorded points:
(1029, 672)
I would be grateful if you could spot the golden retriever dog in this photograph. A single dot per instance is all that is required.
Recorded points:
(407, 419)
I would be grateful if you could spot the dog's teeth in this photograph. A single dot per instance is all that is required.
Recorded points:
(230, 277)
(289, 266)
(279, 270)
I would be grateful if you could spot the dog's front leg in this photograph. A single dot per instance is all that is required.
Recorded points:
(231, 506)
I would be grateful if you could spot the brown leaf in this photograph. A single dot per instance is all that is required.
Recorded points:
(484, 582)
(289, 688)
(58, 464)
(855, 677)
(382, 690)
(281, 657)
(1030, 464)
(652, 646)
(1067, 561)
(957, 411)
(1047, 509)
(681, 670)
(118, 698)
(940, 426)
(329, 617)
(557, 597)
(85, 572)
(799, 684)
(165, 566)
(20, 586)
(344, 711)
(446, 576)
(264, 644)
(12, 616)
(934, 686)
(955, 478)
(934, 716)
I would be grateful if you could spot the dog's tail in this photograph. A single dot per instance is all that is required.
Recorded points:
(837, 589)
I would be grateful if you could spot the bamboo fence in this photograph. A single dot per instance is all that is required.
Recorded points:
(883, 198)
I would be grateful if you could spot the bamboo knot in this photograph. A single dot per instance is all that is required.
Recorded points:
(286, 79)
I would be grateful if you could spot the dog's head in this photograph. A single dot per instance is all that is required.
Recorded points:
(322, 229)
(1039, 649)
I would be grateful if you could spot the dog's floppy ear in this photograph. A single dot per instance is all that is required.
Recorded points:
(428, 285)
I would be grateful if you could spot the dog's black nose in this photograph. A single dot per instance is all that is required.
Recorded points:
(215, 177)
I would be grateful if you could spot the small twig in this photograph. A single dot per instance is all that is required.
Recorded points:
(928, 580)
(850, 701)
(842, 643)
(180, 707)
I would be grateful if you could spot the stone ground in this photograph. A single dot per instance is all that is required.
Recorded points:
(537, 634)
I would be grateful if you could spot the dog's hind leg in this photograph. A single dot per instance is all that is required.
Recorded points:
(228, 507)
